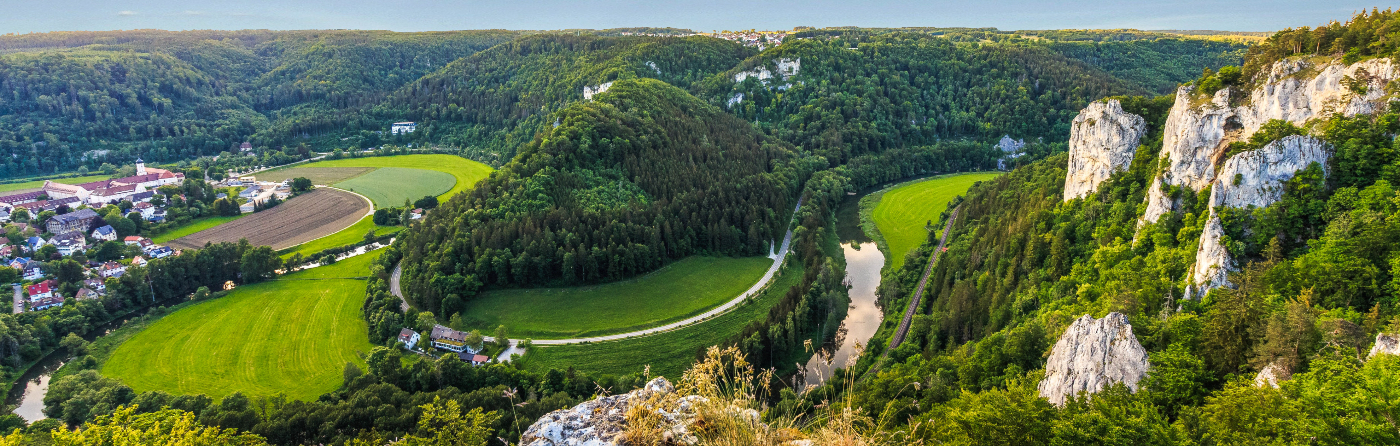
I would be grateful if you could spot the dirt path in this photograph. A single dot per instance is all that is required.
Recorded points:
(919, 293)
(763, 282)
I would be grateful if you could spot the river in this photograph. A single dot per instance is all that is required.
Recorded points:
(863, 263)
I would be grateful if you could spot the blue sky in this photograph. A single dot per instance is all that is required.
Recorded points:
(21, 16)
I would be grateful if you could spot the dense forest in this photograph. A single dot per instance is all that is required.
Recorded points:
(641, 175)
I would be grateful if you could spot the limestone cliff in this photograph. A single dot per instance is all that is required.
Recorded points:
(1386, 344)
(1196, 134)
(1102, 140)
(1091, 355)
(786, 68)
(589, 92)
(1250, 179)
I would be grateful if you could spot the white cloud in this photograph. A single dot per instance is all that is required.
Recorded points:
(193, 13)
(126, 12)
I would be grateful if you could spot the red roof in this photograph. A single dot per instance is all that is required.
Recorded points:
(40, 288)
(480, 358)
(133, 238)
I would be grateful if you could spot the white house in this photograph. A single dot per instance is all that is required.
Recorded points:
(403, 127)
(105, 233)
(41, 290)
(69, 243)
(451, 340)
(409, 338)
(112, 269)
(147, 210)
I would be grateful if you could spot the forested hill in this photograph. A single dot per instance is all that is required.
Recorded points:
(170, 96)
(496, 100)
(642, 174)
(853, 95)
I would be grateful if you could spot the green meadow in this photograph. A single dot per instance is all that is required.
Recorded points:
(903, 212)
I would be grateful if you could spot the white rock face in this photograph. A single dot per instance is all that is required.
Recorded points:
(1196, 136)
(1093, 354)
(1271, 376)
(1101, 141)
(786, 68)
(589, 92)
(1250, 179)
(1385, 345)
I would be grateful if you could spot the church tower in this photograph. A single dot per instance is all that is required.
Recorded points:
(140, 166)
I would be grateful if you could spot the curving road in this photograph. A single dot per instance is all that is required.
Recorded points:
(762, 282)
(898, 337)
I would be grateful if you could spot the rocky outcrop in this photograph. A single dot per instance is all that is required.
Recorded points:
(601, 421)
(1102, 140)
(1196, 135)
(1091, 355)
(1386, 344)
(786, 68)
(1250, 179)
(1271, 376)
(589, 92)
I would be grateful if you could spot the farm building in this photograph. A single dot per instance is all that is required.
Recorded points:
(409, 338)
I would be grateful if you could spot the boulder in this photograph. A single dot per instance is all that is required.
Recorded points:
(1091, 355)
(1102, 141)
(1386, 344)
(1196, 133)
(602, 421)
(1250, 179)
(1271, 376)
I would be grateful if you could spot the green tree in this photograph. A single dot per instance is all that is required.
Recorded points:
(259, 263)
(74, 344)
(301, 184)
(500, 335)
(442, 423)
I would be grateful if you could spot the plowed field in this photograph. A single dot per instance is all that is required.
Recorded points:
(307, 217)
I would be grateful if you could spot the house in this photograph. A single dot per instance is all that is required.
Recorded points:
(111, 269)
(73, 221)
(415, 214)
(97, 285)
(247, 207)
(146, 209)
(105, 233)
(133, 240)
(409, 338)
(36, 242)
(32, 271)
(47, 303)
(4, 215)
(245, 147)
(87, 294)
(160, 252)
(69, 243)
(403, 127)
(158, 217)
(41, 290)
(250, 192)
(220, 195)
(7, 251)
(473, 358)
(142, 197)
(449, 339)
(138, 261)
(18, 263)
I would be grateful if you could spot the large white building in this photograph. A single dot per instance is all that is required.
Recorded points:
(403, 127)
(101, 193)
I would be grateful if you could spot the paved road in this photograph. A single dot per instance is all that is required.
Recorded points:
(919, 293)
(767, 276)
(19, 300)
(394, 286)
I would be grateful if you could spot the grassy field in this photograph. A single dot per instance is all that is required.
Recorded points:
(902, 212)
(293, 335)
(390, 186)
(194, 226)
(668, 353)
(40, 183)
(685, 288)
(354, 233)
(467, 172)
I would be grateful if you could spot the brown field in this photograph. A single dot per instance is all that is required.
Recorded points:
(307, 217)
(318, 175)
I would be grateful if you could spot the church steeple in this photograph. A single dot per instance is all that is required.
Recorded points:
(140, 166)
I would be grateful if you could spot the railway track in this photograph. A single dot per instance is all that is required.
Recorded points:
(903, 330)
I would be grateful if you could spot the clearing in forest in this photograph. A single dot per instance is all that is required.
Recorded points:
(293, 335)
(902, 212)
(467, 172)
(688, 287)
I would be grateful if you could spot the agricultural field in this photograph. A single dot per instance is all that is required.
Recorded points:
(354, 233)
(390, 186)
(293, 335)
(467, 172)
(901, 213)
(301, 219)
(194, 226)
(317, 175)
(667, 353)
(682, 289)
(26, 186)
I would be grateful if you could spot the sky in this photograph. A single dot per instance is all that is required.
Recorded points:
(24, 16)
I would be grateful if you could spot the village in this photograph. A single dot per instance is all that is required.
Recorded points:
(66, 221)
